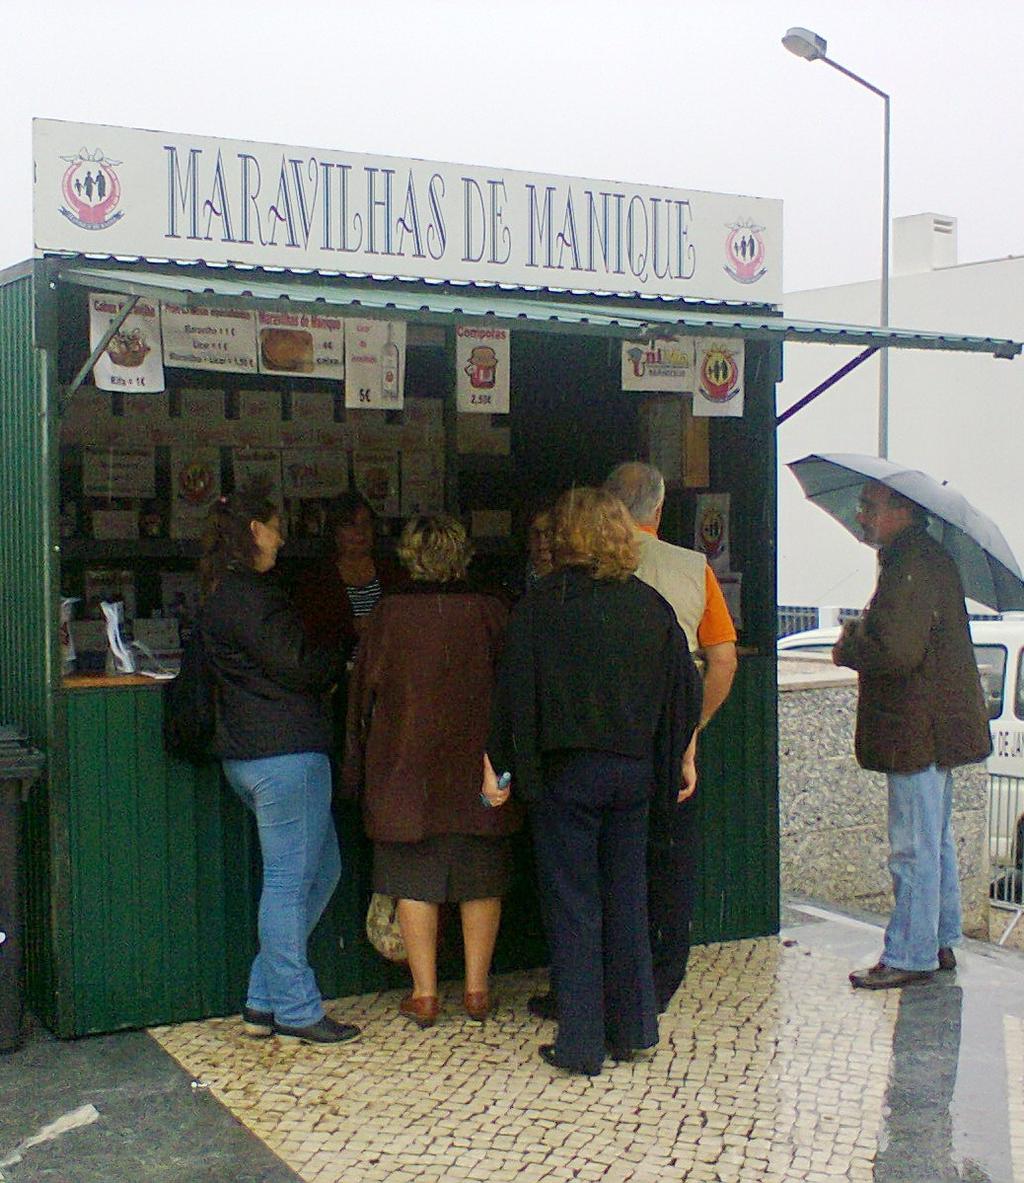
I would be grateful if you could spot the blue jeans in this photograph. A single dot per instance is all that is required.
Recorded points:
(922, 860)
(291, 798)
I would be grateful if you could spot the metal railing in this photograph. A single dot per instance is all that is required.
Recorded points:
(797, 618)
(1006, 847)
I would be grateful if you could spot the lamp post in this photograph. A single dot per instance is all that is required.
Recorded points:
(811, 48)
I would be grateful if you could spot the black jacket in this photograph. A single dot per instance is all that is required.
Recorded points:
(599, 665)
(272, 683)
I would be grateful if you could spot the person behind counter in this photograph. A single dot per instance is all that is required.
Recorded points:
(419, 707)
(593, 709)
(335, 596)
(273, 734)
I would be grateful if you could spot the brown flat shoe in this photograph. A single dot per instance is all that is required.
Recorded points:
(887, 977)
(947, 958)
(423, 1011)
(477, 1004)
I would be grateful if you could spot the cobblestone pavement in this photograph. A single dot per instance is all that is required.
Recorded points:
(769, 1068)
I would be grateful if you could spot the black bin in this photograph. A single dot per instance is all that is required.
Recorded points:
(20, 768)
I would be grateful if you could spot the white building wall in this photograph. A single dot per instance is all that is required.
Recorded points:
(959, 417)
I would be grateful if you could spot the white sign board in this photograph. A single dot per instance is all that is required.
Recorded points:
(482, 365)
(305, 344)
(664, 363)
(127, 192)
(719, 390)
(210, 338)
(375, 364)
(131, 360)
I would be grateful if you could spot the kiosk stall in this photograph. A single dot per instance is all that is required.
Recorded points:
(200, 313)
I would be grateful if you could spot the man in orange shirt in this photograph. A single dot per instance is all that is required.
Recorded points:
(686, 580)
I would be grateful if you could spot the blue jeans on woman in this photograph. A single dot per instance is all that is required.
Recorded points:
(922, 859)
(291, 798)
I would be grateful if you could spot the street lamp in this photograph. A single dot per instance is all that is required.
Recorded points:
(811, 48)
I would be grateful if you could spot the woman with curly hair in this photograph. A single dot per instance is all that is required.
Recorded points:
(593, 710)
(419, 707)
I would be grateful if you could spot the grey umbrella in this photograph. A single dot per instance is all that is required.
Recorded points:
(988, 569)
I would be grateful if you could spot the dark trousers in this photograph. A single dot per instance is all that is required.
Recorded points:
(590, 839)
(671, 894)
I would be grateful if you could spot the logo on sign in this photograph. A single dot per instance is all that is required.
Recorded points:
(719, 375)
(91, 189)
(712, 531)
(745, 252)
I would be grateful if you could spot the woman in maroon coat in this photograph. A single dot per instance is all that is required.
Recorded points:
(418, 714)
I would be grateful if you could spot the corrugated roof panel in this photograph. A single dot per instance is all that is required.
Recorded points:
(607, 316)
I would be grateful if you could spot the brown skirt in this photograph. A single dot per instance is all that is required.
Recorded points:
(444, 868)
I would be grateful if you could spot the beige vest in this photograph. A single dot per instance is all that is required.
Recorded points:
(679, 574)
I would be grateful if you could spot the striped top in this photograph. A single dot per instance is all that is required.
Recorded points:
(364, 599)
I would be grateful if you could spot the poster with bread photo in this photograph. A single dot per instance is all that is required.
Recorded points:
(301, 344)
(131, 360)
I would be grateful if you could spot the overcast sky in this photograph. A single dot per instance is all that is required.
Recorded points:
(681, 94)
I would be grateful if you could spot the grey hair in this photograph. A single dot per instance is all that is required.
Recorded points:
(640, 487)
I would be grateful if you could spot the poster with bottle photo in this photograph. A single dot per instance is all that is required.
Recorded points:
(375, 364)
(719, 386)
(195, 486)
(375, 472)
(301, 344)
(482, 369)
(711, 530)
(133, 358)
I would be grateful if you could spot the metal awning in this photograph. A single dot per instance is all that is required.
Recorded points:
(536, 310)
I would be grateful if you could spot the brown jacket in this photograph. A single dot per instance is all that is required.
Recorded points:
(920, 699)
(418, 712)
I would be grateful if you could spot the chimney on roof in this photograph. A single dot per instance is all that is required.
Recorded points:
(923, 242)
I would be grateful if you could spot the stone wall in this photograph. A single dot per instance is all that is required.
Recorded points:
(834, 844)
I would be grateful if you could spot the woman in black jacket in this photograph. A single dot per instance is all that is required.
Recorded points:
(273, 735)
(592, 714)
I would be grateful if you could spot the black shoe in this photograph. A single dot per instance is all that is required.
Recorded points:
(257, 1023)
(547, 1054)
(324, 1030)
(543, 1006)
(947, 958)
(623, 1055)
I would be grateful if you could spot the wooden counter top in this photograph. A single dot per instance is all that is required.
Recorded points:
(107, 681)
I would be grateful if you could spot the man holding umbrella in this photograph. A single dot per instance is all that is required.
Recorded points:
(920, 713)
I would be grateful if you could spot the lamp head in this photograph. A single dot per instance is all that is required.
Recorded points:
(805, 44)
